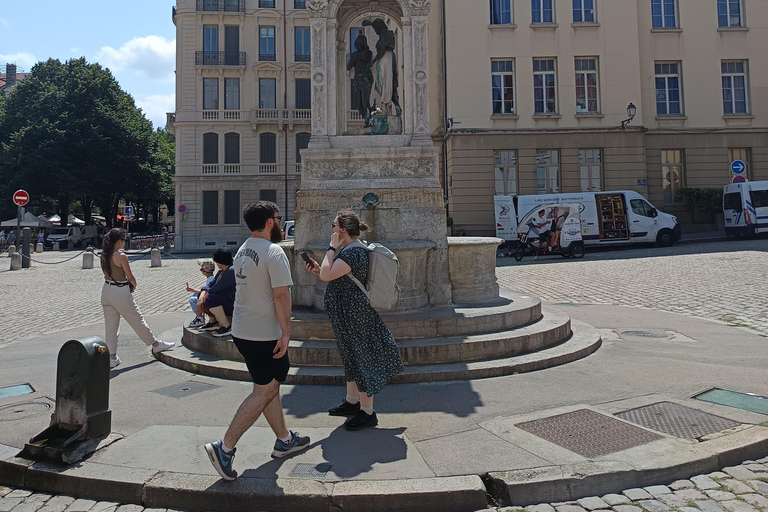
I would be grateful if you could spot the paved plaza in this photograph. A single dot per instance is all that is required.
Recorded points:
(718, 280)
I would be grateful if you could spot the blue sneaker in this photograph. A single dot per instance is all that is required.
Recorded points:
(296, 444)
(221, 460)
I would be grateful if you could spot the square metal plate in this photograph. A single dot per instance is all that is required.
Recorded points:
(746, 401)
(677, 420)
(17, 390)
(185, 389)
(588, 433)
(303, 470)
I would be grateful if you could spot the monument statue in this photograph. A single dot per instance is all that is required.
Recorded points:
(362, 83)
(384, 66)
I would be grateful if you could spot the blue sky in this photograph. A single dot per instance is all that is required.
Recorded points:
(136, 40)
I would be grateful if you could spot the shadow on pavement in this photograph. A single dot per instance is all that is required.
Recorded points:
(452, 397)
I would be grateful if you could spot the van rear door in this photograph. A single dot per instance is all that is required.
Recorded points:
(612, 210)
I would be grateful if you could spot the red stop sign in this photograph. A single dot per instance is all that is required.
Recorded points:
(20, 197)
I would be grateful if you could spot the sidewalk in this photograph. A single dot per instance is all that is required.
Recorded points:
(556, 435)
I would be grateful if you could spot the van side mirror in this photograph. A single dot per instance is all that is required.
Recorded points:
(654, 213)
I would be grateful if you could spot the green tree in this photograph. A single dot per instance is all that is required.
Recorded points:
(70, 132)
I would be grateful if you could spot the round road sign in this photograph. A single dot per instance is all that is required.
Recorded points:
(738, 167)
(20, 197)
(739, 179)
(182, 208)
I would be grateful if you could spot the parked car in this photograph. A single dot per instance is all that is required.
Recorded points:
(288, 229)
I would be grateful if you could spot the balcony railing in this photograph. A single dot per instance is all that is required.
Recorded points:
(297, 168)
(221, 5)
(220, 58)
(211, 169)
(281, 116)
(231, 168)
(267, 168)
(210, 115)
(170, 118)
(267, 4)
(302, 57)
(267, 57)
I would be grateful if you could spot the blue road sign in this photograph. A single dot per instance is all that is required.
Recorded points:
(128, 210)
(738, 167)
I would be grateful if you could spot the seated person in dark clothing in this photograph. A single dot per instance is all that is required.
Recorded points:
(220, 301)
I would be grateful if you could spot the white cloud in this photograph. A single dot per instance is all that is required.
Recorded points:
(22, 60)
(151, 56)
(156, 106)
(4, 22)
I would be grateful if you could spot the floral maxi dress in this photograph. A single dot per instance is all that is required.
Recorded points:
(367, 348)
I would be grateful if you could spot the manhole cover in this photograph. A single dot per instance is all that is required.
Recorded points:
(185, 389)
(310, 470)
(23, 410)
(643, 334)
(588, 433)
(746, 401)
(677, 420)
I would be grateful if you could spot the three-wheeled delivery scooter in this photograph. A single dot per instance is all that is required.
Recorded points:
(551, 229)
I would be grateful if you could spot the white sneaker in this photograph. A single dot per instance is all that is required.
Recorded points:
(162, 346)
(114, 362)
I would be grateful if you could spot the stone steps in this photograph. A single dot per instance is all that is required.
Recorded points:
(583, 341)
(552, 328)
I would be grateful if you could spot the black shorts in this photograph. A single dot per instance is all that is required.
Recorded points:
(258, 358)
(545, 235)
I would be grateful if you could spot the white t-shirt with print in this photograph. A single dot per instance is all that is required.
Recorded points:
(259, 266)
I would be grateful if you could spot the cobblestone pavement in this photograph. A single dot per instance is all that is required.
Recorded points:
(718, 280)
(741, 488)
(52, 296)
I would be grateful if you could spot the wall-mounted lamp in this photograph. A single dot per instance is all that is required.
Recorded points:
(631, 111)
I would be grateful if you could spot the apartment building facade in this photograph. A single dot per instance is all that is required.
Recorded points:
(526, 97)
(536, 93)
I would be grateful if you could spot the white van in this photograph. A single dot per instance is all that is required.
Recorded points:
(745, 208)
(612, 218)
(67, 237)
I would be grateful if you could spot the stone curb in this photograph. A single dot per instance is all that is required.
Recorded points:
(564, 483)
(198, 493)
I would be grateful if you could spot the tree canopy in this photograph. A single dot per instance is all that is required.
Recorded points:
(69, 132)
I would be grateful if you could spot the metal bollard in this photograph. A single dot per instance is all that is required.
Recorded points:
(39, 247)
(16, 261)
(88, 258)
(11, 250)
(55, 246)
(155, 259)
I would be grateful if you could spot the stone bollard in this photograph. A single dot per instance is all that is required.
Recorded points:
(88, 258)
(39, 247)
(11, 251)
(16, 261)
(154, 258)
(55, 246)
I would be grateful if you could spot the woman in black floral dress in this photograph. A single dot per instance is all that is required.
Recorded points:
(366, 346)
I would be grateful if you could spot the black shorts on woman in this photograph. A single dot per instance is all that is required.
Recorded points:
(259, 359)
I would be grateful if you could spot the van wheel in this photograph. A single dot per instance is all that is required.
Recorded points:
(519, 252)
(577, 251)
(665, 238)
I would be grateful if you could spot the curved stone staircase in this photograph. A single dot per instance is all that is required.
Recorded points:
(511, 334)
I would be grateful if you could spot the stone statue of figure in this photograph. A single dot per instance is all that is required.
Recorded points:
(384, 66)
(362, 83)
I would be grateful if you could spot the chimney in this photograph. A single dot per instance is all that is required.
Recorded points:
(10, 75)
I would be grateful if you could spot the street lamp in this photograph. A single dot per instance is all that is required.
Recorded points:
(631, 111)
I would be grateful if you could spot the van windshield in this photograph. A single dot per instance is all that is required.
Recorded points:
(60, 231)
(732, 201)
(759, 198)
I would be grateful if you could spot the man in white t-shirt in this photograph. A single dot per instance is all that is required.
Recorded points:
(261, 328)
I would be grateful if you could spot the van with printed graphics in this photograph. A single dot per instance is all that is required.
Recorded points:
(611, 218)
(745, 208)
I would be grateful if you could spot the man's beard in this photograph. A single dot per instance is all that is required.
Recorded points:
(276, 235)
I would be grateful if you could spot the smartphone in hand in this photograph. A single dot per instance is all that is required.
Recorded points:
(306, 258)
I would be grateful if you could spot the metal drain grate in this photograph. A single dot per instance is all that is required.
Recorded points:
(23, 410)
(588, 433)
(17, 390)
(310, 470)
(187, 388)
(677, 420)
(644, 334)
